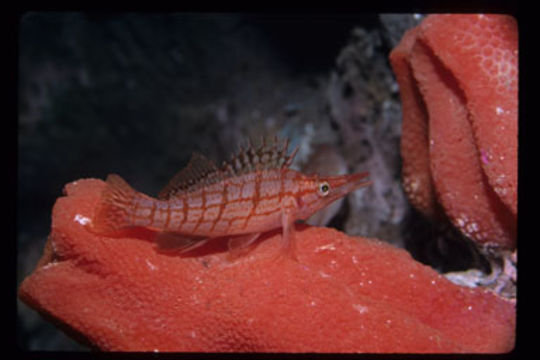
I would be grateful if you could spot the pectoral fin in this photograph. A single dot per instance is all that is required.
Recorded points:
(239, 245)
(174, 242)
(288, 217)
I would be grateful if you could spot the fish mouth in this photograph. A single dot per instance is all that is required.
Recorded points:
(347, 183)
(358, 180)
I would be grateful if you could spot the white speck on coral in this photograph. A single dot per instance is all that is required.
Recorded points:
(193, 334)
(49, 265)
(469, 307)
(325, 247)
(414, 185)
(499, 110)
(156, 350)
(83, 220)
(500, 179)
(360, 308)
(355, 259)
(411, 275)
(433, 282)
(324, 275)
(313, 303)
(150, 265)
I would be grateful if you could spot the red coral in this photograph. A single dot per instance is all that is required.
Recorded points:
(345, 294)
(458, 83)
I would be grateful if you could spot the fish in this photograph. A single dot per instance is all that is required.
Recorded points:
(254, 192)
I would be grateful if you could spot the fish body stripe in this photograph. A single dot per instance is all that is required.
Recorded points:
(255, 197)
(228, 207)
(176, 220)
(237, 205)
(221, 206)
(202, 196)
(142, 211)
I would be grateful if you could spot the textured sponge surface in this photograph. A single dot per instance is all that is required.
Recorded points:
(344, 294)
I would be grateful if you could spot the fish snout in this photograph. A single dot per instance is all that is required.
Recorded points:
(345, 184)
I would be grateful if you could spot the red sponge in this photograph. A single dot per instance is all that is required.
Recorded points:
(458, 83)
(345, 294)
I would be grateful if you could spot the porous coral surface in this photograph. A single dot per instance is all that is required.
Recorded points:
(344, 294)
(458, 84)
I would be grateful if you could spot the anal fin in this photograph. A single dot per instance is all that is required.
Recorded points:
(174, 242)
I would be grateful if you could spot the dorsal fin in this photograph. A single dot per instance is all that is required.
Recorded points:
(197, 172)
(201, 172)
(265, 157)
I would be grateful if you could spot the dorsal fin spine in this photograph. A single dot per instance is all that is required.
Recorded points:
(290, 158)
(202, 172)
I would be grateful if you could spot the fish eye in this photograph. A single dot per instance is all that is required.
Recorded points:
(324, 188)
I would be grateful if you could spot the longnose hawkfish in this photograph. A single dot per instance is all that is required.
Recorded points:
(253, 193)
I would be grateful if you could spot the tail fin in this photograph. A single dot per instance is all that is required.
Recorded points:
(113, 210)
